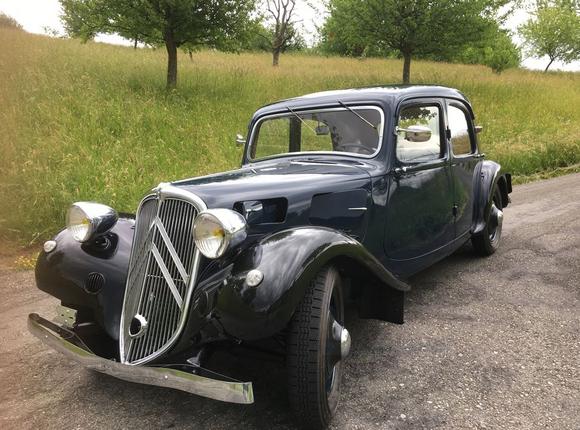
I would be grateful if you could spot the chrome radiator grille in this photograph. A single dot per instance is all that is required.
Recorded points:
(161, 278)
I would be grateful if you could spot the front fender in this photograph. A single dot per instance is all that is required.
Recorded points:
(64, 274)
(487, 175)
(289, 260)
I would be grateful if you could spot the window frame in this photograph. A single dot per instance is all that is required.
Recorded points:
(315, 109)
(470, 128)
(426, 102)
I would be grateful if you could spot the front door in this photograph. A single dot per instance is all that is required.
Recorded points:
(464, 158)
(420, 204)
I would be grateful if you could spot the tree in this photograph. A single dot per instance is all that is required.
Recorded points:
(496, 50)
(172, 23)
(261, 36)
(415, 27)
(281, 12)
(9, 22)
(553, 31)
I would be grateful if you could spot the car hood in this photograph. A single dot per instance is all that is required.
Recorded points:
(296, 181)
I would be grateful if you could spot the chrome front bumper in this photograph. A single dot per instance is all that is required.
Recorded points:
(233, 392)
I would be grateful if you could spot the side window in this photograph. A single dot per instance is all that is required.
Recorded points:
(460, 137)
(414, 142)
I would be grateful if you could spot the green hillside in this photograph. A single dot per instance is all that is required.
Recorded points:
(93, 121)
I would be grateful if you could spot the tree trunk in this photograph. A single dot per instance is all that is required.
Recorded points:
(549, 64)
(171, 47)
(135, 44)
(275, 57)
(407, 68)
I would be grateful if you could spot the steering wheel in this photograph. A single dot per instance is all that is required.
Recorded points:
(356, 148)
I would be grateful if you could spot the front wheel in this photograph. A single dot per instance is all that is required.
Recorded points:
(487, 242)
(317, 342)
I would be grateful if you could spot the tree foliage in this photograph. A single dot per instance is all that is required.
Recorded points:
(173, 23)
(554, 31)
(410, 29)
(495, 50)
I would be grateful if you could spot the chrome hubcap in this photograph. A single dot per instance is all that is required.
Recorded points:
(337, 347)
(496, 222)
(344, 343)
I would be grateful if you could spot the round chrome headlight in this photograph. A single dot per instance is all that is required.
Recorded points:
(86, 220)
(217, 230)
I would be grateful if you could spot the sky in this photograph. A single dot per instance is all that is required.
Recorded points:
(37, 15)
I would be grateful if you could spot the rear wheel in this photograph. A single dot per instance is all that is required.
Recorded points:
(487, 242)
(317, 342)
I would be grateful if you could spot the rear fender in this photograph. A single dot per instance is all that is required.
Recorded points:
(486, 176)
(289, 260)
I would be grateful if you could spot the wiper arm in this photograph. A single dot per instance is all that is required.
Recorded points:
(362, 118)
(301, 120)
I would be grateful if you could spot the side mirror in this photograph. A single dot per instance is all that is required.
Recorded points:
(322, 130)
(416, 133)
(240, 140)
(478, 129)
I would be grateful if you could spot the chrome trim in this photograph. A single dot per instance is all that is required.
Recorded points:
(415, 133)
(341, 335)
(167, 276)
(162, 192)
(358, 209)
(49, 246)
(240, 141)
(345, 343)
(380, 132)
(496, 216)
(254, 278)
(233, 392)
(233, 224)
(102, 219)
(142, 326)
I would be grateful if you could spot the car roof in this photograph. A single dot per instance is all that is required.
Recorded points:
(386, 96)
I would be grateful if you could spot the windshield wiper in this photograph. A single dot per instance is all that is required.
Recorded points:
(301, 120)
(362, 118)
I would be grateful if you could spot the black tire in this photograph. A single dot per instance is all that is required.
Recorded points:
(487, 242)
(313, 396)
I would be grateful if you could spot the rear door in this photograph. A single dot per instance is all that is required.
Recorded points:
(464, 158)
(419, 210)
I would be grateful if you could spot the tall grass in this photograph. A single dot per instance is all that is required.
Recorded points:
(93, 121)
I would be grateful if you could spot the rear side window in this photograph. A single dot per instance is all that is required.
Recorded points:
(419, 117)
(461, 141)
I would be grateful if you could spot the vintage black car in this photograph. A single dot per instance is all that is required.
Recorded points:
(340, 197)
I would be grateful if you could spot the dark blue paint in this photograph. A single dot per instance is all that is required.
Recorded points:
(413, 219)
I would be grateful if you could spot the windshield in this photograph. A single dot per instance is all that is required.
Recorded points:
(356, 130)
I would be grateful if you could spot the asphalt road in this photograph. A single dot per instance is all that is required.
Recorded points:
(488, 343)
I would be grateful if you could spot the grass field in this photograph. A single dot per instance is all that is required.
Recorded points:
(93, 121)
